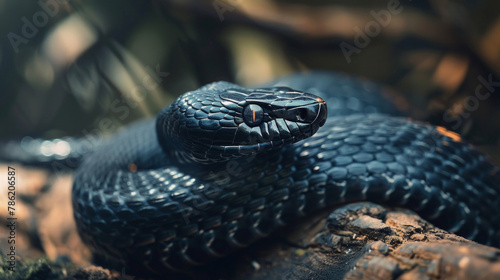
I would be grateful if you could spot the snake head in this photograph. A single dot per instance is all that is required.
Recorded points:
(222, 121)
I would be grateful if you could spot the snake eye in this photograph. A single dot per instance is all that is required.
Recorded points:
(253, 114)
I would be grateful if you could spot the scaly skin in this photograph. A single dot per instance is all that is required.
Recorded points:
(140, 206)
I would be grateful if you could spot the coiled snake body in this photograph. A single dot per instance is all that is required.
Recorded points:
(229, 171)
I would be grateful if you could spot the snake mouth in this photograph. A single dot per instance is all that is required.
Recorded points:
(230, 150)
(321, 123)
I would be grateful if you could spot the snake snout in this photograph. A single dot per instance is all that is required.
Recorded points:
(309, 115)
(317, 114)
(309, 110)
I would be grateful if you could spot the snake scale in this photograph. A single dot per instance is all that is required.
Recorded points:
(227, 169)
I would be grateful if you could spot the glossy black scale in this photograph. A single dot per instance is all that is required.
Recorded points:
(202, 212)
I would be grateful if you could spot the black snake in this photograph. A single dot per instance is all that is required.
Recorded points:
(227, 168)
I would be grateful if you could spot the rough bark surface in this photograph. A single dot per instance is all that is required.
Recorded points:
(368, 241)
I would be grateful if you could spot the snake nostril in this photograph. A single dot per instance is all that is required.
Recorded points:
(302, 114)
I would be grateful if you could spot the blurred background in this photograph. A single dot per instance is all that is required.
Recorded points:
(86, 68)
(83, 68)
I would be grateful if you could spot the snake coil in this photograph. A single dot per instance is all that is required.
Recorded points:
(223, 167)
